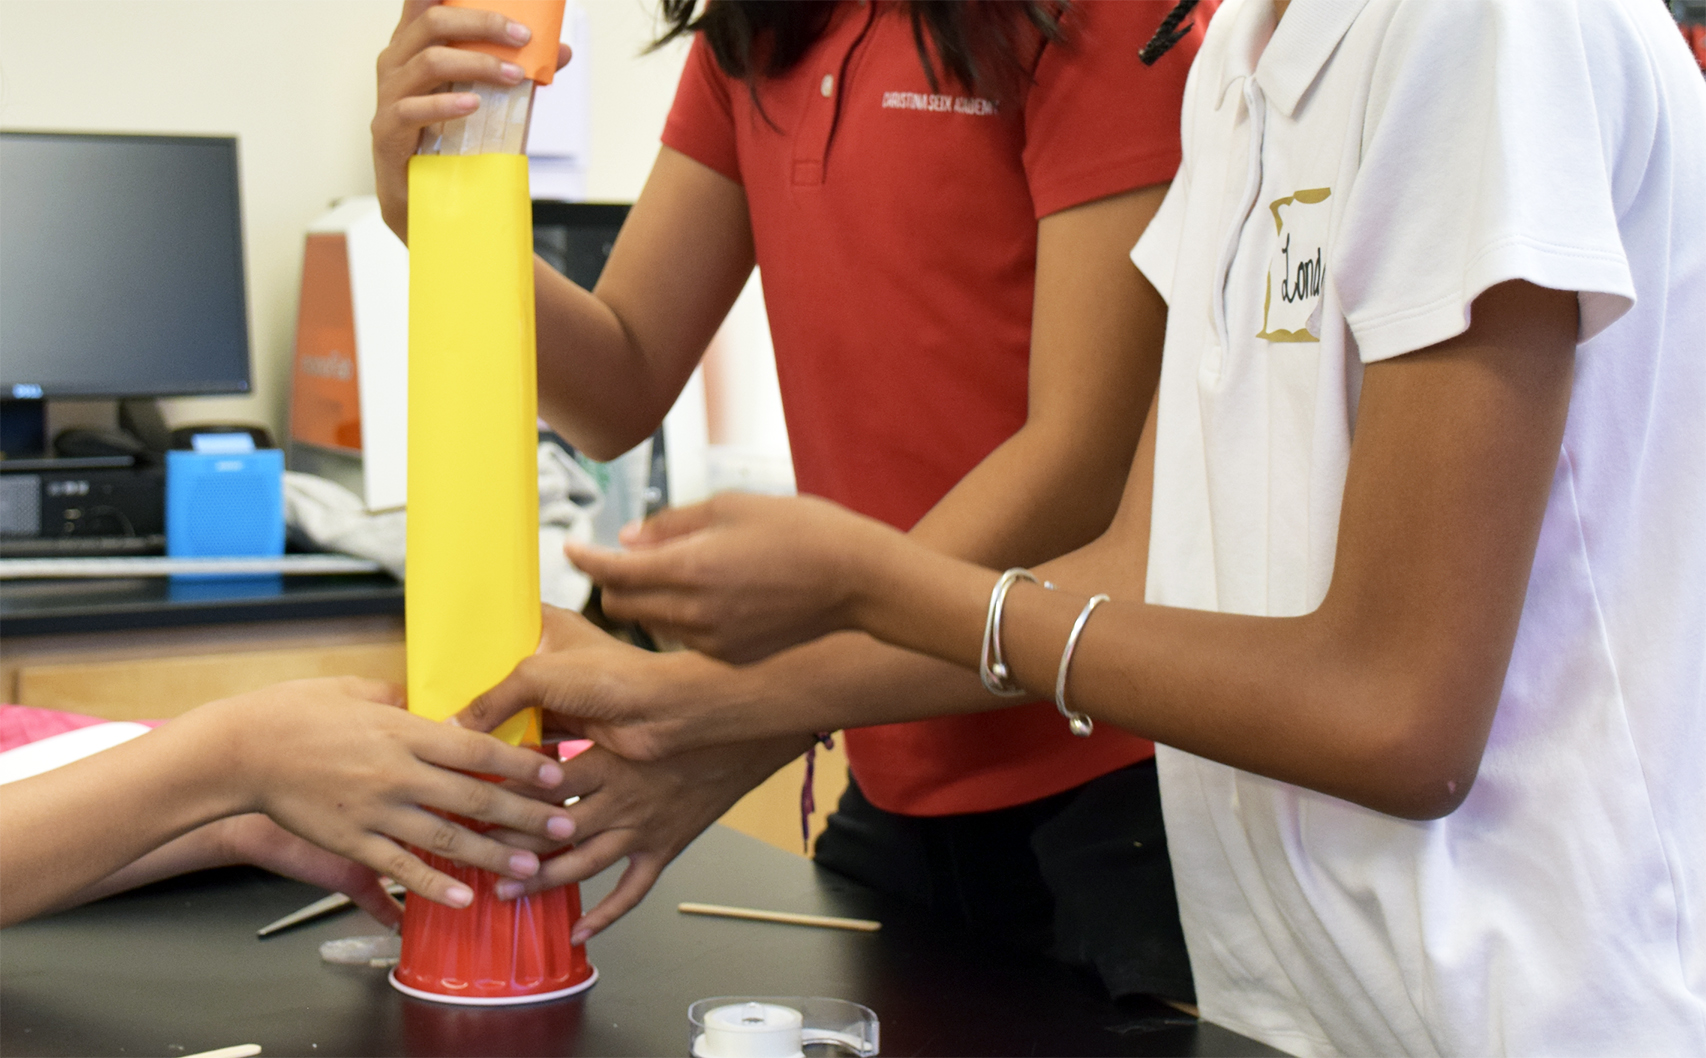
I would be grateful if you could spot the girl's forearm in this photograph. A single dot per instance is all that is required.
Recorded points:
(111, 809)
(587, 360)
(851, 679)
(1384, 694)
(1269, 695)
(612, 361)
(1096, 333)
(920, 599)
(204, 847)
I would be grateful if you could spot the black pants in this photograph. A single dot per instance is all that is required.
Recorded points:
(1082, 876)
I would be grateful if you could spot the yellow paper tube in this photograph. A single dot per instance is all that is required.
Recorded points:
(473, 531)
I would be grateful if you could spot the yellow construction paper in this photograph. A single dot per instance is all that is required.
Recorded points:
(473, 531)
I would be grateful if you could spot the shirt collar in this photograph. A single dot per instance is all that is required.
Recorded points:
(1300, 47)
(1250, 25)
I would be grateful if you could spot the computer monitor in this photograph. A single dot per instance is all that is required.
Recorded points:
(575, 238)
(121, 266)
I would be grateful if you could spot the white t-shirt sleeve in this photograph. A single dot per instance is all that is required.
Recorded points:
(1492, 135)
(1157, 248)
(56, 751)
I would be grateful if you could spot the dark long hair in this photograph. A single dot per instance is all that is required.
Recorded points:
(987, 46)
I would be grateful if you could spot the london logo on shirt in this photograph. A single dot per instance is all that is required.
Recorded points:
(1291, 308)
(939, 104)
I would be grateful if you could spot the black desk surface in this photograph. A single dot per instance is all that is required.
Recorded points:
(176, 968)
(50, 607)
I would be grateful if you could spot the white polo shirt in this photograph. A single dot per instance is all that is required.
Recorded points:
(1348, 189)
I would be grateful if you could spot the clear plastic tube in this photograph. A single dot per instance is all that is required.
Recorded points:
(499, 126)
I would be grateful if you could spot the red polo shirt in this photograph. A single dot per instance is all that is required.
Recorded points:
(896, 232)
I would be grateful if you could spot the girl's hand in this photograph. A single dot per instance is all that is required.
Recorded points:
(414, 70)
(257, 840)
(739, 577)
(336, 761)
(646, 813)
(637, 703)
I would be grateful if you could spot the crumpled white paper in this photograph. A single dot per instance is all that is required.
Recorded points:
(569, 498)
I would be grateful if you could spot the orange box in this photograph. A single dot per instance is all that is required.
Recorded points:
(325, 406)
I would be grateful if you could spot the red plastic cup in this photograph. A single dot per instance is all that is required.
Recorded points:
(492, 952)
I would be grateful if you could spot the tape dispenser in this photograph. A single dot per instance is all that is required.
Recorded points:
(780, 1027)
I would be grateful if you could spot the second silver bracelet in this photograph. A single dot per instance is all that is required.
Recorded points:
(1076, 722)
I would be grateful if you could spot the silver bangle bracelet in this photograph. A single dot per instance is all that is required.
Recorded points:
(992, 664)
(1077, 723)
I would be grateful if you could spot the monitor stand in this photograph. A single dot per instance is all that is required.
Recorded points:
(24, 436)
(141, 417)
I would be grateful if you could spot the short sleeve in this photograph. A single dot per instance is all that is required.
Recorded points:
(1157, 249)
(1098, 121)
(1484, 160)
(701, 121)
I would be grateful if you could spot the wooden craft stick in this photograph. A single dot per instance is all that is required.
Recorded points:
(242, 1050)
(862, 925)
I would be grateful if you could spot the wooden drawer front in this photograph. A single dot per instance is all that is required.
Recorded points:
(161, 687)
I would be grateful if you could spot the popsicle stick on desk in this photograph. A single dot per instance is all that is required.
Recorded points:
(323, 906)
(241, 1050)
(791, 918)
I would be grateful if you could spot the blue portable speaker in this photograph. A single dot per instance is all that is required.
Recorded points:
(225, 504)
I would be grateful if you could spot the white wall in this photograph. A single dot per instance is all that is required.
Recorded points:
(293, 80)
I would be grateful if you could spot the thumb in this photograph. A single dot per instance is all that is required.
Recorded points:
(513, 693)
(564, 54)
(666, 525)
(596, 562)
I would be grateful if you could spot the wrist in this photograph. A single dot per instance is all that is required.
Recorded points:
(746, 764)
(218, 760)
(730, 701)
(744, 705)
(922, 600)
(873, 574)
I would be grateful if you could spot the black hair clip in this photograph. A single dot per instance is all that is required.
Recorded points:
(1167, 34)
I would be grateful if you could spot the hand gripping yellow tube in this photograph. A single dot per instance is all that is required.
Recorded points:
(473, 529)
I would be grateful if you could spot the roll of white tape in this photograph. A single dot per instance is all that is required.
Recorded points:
(751, 1030)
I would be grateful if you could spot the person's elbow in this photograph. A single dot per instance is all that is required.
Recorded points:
(1419, 756)
(603, 448)
(599, 441)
